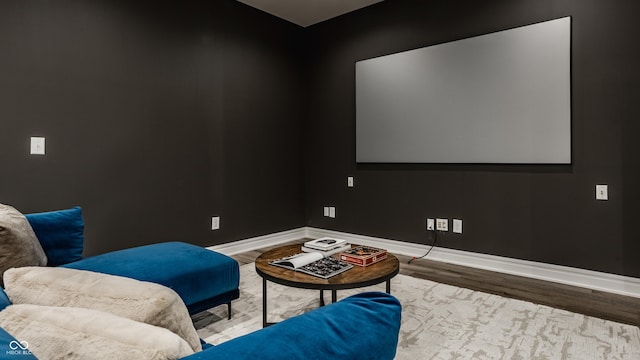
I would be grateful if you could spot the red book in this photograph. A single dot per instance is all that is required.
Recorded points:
(363, 255)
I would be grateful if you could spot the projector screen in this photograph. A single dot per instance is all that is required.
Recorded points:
(500, 98)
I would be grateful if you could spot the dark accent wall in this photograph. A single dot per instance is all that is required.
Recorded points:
(541, 213)
(157, 115)
(161, 114)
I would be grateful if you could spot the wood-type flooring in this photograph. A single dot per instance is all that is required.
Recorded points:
(624, 309)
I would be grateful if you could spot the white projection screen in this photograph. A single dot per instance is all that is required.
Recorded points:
(500, 98)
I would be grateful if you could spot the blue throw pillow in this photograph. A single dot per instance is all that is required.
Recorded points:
(61, 234)
(4, 300)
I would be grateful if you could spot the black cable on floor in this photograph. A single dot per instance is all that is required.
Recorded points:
(435, 239)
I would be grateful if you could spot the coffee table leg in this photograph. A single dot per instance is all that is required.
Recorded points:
(334, 296)
(264, 302)
(321, 297)
(389, 286)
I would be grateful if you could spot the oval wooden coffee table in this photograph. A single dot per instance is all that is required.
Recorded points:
(353, 278)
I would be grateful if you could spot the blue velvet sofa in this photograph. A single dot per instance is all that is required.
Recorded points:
(365, 325)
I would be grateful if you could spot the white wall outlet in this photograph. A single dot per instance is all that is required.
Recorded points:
(431, 224)
(349, 181)
(457, 226)
(326, 211)
(442, 224)
(602, 192)
(332, 212)
(37, 145)
(215, 223)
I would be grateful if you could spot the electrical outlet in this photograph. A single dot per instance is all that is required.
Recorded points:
(602, 192)
(442, 224)
(457, 226)
(349, 181)
(430, 225)
(215, 223)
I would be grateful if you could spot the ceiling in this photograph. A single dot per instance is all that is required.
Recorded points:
(308, 12)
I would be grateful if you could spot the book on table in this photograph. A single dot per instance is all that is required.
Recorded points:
(325, 244)
(329, 252)
(363, 255)
(313, 263)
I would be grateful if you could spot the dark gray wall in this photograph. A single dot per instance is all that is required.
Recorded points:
(161, 114)
(157, 116)
(540, 213)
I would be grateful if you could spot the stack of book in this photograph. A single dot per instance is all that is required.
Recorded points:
(326, 246)
(363, 255)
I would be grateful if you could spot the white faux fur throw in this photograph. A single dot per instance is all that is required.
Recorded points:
(74, 333)
(137, 300)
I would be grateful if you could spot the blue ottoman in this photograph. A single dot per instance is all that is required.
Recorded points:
(203, 278)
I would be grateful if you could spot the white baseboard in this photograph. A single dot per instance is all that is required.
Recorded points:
(611, 283)
(259, 242)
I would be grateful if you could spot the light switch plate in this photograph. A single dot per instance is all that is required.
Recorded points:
(37, 145)
(215, 223)
(457, 226)
(332, 212)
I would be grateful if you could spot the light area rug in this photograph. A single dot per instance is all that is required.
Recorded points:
(442, 322)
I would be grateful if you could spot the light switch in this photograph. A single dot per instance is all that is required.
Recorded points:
(457, 226)
(37, 145)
